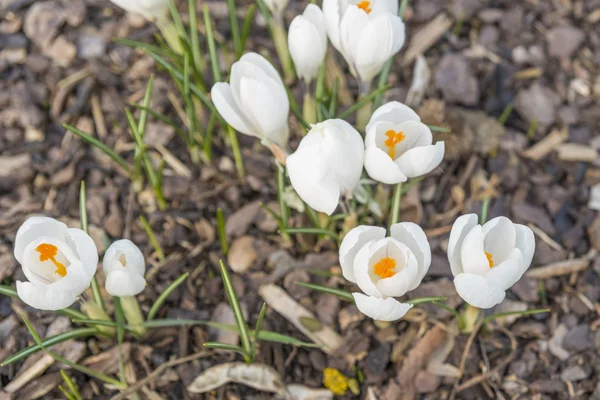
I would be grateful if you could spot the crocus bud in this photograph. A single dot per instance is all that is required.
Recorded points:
(327, 164)
(487, 260)
(124, 268)
(152, 10)
(399, 146)
(276, 6)
(255, 101)
(307, 41)
(59, 263)
(367, 33)
(385, 267)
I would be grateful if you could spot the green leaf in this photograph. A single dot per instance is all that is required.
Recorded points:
(163, 296)
(234, 25)
(520, 313)
(364, 101)
(296, 110)
(313, 231)
(49, 342)
(8, 291)
(261, 316)
(120, 323)
(225, 346)
(422, 300)
(247, 25)
(152, 237)
(83, 221)
(334, 96)
(95, 142)
(145, 106)
(342, 294)
(197, 57)
(435, 128)
(506, 113)
(221, 232)
(212, 48)
(237, 154)
(237, 309)
(283, 208)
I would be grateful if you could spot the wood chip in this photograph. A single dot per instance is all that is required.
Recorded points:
(542, 148)
(426, 37)
(576, 152)
(562, 267)
(280, 301)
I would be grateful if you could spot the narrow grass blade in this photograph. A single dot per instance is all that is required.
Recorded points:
(66, 393)
(221, 232)
(506, 113)
(235, 29)
(313, 231)
(334, 97)
(49, 342)
(284, 211)
(520, 313)
(247, 25)
(225, 346)
(152, 237)
(95, 142)
(8, 291)
(435, 128)
(485, 208)
(395, 208)
(261, 316)
(237, 310)
(165, 119)
(296, 110)
(164, 295)
(237, 153)
(212, 48)
(365, 100)
(73, 390)
(145, 106)
(459, 319)
(63, 360)
(83, 219)
(120, 323)
(423, 300)
(69, 312)
(198, 59)
(208, 136)
(342, 294)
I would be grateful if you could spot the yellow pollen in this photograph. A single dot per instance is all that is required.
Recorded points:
(335, 381)
(393, 138)
(385, 268)
(48, 252)
(489, 257)
(365, 5)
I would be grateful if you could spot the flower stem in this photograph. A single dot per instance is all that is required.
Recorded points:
(469, 317)
(364, 113)
(237, 153)
(169, 32)
(133, 314)
(395, 210)
(309, 107)
(283, 208)
(281, 46)
(95, 312)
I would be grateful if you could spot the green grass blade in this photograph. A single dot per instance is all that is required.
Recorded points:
(165, 119)
(296, 110)
(164, 295)
(221, 232)
(261, 316)
(283, 208)
(520, 313)
(145, 106)
(152, 237)
(342, 294)
(73, 390)
(197, 58)
(506, 113)
(247, 25)
(49, 342)
(181, 32)
(8, 291)
(334, 97)
(225, 346)
(237, 153)
(365, 100)
(69, 312)
(435, 128)
(236, 308)
(120, 323)
(235, 29)
(83, 219)
(212, 48)
(423, 300)
(95, 142)
(313, 231)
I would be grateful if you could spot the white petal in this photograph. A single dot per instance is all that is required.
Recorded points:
(34, 228)
(472, 255)
(313, 13)
(394, 112)
(417, 134)
(361, 270)
(383, 7)
(124, 255)
(508, 272)
(381, 309)
(499, 238)
(46, 272)
(353, 242)
(222, 98)
(413, 236)
(419, 161)
(399, 284)
(352, 25)
(525, 242)
(460, 228)
(86, 250)
(43, 297)
(265, 66)
(123, 283)
(477, 291)
(332, 13)
(382, 168)
(306, 46)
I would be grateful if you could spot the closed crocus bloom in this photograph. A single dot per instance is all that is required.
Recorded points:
(124, 268)
(276, 6)
(327, 164)
(366, 32)
(399, 146)
(59, 263)
(487, 260)
(385, 267)
(150, 9)
(255, 102)
(307, 41)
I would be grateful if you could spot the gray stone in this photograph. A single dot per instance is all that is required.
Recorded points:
(577, 339)
(538, 103)
(456, 81)
(564, 40)
(91, 46)
(574, 373)
(43, 21)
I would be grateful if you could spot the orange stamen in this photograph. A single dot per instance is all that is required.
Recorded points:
(48, 252)
(385, 268)
(393, 138)
(489, 257)
(365, 5)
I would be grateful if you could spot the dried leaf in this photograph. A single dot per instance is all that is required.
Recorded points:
(256, 376)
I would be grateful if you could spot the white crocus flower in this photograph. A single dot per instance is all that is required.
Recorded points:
(307, 41)
(59, 263)
(327, 164)
(255, 101)
(385, 267)
(276, 7)
(124, 268)
(152, 10)
(399, 146)
(487, 260)
(366, 32)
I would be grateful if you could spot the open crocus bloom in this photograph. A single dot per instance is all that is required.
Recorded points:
(399, 146)
(327, 163)
(307, 41)
(255, 103)
(487, 260)
(366, 32)
(385, 267)
(124, 268)
(59, 263)
(152, 10)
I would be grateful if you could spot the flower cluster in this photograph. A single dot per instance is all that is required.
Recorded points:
(60, 263)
